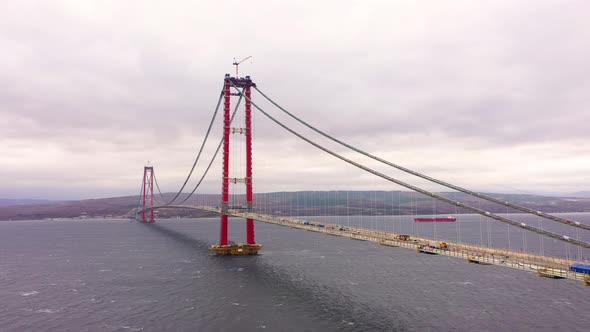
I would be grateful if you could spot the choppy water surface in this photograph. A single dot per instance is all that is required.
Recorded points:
(125, 276)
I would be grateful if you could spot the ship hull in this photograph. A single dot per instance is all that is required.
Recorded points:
(445, 219)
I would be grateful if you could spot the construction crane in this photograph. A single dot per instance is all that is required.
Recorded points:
(237, 63)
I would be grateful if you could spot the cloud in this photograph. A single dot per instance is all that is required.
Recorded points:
(484, 94)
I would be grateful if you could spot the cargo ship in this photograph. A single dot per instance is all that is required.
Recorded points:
(437, 219)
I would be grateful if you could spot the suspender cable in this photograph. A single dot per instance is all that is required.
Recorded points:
(556, 236)
(214, 155)
(204, 174)
(431, 179)
(179, 205)
(200, 150)
(158, 187)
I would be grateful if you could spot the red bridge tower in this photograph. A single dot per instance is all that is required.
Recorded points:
(147, 189)
(224, 247)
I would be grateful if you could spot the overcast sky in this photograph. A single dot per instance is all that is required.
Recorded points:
(490, 95)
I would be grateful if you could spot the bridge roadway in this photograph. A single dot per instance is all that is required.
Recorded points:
(544, 265)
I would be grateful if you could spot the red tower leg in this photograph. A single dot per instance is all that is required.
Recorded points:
(225, 180)
(144, 194)
(152, 194)
(249, 196)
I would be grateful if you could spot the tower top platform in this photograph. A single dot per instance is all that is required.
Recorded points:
(241, 82)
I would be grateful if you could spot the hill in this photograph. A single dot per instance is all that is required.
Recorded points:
(12, 201)
(293, 203)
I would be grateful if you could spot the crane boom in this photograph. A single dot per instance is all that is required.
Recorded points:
(237, 63)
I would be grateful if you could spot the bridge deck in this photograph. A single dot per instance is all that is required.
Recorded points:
(544, 265)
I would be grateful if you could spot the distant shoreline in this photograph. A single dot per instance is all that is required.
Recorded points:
(310, 216)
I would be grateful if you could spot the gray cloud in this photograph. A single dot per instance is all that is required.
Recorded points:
(484, 94)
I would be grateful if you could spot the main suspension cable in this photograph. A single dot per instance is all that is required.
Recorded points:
(431, 179)
(200, 150)
(214, 155)
(556, 236)
(140, 195)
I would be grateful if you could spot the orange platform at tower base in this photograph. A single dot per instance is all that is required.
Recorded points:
(236, 249)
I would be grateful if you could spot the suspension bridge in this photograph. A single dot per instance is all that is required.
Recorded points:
(573, 266)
